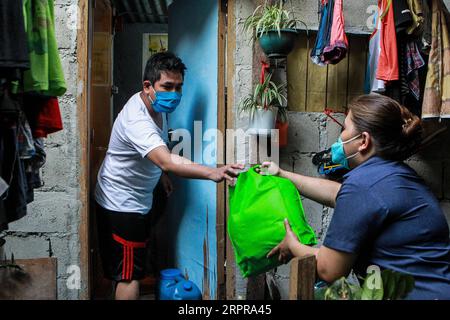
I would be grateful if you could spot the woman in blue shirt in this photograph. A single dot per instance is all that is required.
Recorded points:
(384, 213)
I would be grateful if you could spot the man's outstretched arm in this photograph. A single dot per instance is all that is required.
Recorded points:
(183, 167)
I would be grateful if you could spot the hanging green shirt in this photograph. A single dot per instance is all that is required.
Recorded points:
(46, 74)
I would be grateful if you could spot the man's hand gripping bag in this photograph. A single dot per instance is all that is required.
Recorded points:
(258, 206)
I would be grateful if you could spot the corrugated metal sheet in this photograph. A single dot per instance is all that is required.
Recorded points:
(143, 11)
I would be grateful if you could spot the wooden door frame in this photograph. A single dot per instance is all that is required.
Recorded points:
(221, 206)
(83, 79)
(230, 270)
(225, 120)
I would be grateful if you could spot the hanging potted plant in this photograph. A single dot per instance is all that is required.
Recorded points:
(282, 126)
(263, 105)
(275, 28)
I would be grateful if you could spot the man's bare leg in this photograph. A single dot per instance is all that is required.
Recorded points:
(127, 290)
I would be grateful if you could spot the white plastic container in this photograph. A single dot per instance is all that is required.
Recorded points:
(263, 121)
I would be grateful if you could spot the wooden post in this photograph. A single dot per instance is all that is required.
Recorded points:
(83, 131)
(302, 278)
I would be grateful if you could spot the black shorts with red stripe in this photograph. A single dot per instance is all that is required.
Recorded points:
(123, 239)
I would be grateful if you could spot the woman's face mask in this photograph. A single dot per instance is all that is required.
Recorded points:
(338, 153)
(165, 101)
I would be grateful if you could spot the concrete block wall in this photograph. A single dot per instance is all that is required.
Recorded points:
(50, 228)
(313, 132)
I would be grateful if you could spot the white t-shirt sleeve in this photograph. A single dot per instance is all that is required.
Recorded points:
(143, 135)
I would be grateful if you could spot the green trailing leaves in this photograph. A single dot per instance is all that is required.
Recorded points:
(270, 17)
(384, 285)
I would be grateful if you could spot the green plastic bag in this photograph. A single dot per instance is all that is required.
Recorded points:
(258, 206)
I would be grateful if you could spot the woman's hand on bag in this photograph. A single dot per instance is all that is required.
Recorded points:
(269, 169)
(284, 249)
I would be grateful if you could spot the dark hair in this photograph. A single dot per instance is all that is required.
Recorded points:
(396, 132)
(160, 62)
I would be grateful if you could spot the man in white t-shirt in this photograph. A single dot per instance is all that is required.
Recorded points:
(137, 158)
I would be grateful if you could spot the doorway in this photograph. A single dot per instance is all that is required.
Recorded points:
(123, 35)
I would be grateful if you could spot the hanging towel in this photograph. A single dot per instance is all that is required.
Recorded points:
(437, 87)
(46, 73)
(324, 32)
(372, 84)
(388, 69)
(337, 49)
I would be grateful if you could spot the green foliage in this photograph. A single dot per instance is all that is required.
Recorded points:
(372, 288)
(266, 95)
(389, 285)
(270, 17)
(339, 290)
(396, 285)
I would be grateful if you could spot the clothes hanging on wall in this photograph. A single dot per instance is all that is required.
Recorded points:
(425, 36)
(13, 205)
(46, 73)
(388, 69)
(331, 41)
(402, 16)
(417, 14)
(337, 48)
(414, 61)
(324, 32)
(31, 78)
(21, 157)
(408, 90)
(371, 83)
(399, 42)
(43, 114)
(13, 39)
(436, 102)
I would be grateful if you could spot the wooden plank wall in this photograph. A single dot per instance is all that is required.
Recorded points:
(312, 87)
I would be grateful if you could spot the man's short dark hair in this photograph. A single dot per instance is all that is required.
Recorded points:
(160, 62)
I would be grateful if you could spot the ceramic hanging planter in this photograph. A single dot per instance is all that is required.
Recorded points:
(263, 120)
(275, 27)
(278, 44)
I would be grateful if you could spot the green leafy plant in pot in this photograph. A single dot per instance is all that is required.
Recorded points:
(275, 28)
(262, 105)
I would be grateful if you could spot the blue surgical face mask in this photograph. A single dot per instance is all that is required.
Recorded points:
(165, 101)
(338, 153)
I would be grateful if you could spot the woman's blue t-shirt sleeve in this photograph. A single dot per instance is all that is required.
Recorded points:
(357, 217)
